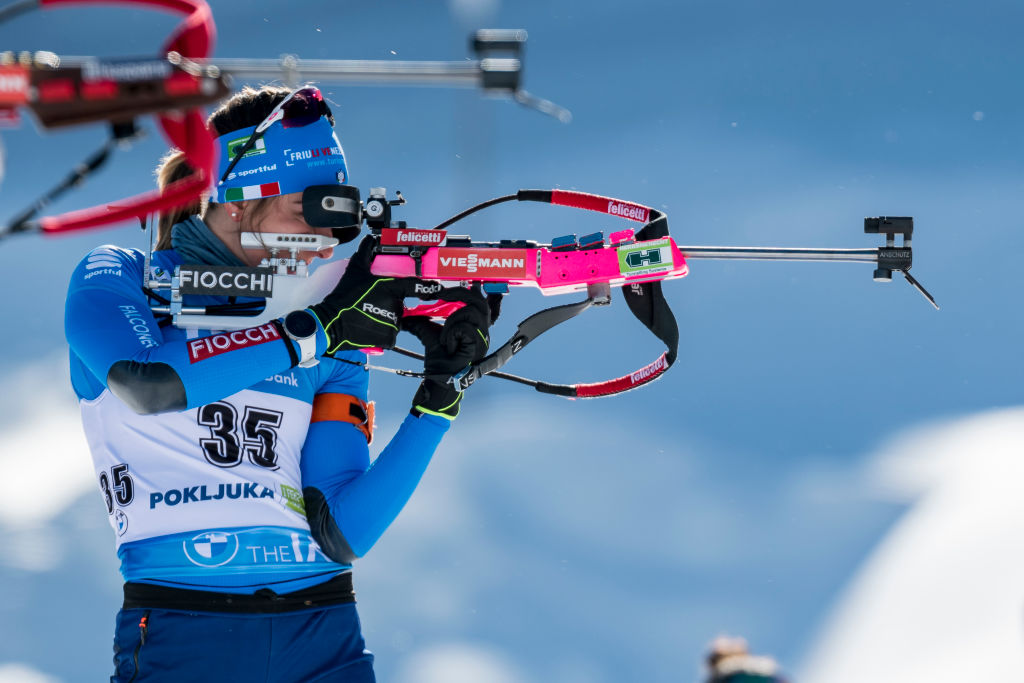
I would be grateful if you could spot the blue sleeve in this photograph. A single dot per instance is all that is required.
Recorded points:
(349, 502)
(110, 328)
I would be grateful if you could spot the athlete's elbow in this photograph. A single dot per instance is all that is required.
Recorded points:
(325, 529)
(147, 388)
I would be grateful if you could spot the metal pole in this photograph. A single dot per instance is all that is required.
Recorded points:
(467, 74)
(781, 254)
(496, 76)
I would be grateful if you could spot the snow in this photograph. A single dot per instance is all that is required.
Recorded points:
(20, 673)
(458, 662)
(942, 598)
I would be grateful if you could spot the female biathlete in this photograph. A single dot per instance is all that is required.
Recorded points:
(235, 465)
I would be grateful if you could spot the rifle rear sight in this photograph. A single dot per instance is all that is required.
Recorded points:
(377, 210)
(340, 206)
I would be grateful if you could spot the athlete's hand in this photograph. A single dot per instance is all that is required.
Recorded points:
(462, 340)
(364, 310)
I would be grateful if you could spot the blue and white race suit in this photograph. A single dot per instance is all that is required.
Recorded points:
(238, 491)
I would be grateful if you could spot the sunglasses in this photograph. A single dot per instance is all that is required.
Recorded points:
(300, 108)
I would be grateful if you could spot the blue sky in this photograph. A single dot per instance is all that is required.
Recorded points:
(750, 123)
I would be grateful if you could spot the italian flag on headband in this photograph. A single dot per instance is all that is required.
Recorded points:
(237, 194)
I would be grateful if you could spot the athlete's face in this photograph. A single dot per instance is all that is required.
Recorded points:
(283, 214)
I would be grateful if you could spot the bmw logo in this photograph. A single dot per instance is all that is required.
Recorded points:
(211, 548)
(121, 520)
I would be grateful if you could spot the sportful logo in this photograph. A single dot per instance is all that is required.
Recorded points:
(102, 262)
(260, 169)
(633, 212)
(208, 347)
(481, 263)
(211, 549)
(102, 258)
(400, 237)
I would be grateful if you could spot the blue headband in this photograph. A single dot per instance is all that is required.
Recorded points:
(282, 161)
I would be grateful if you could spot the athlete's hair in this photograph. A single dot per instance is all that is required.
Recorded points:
(244, 109)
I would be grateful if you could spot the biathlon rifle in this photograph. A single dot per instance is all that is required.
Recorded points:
(634, 260)
(181, 79)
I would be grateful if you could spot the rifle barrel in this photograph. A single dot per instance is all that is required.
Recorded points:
(781, 254)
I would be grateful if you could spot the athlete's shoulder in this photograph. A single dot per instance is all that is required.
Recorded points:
(113, 253)
(108, 261)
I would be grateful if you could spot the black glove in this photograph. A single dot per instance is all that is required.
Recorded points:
(462, 340)
(364, 310)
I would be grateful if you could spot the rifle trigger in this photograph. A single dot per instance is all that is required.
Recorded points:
(417, 259)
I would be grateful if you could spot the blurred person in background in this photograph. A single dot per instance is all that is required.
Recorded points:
(235, 466)
(729, 661)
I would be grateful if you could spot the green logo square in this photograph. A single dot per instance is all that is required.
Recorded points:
(259, 147)
(293, 499)
(653, 256)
